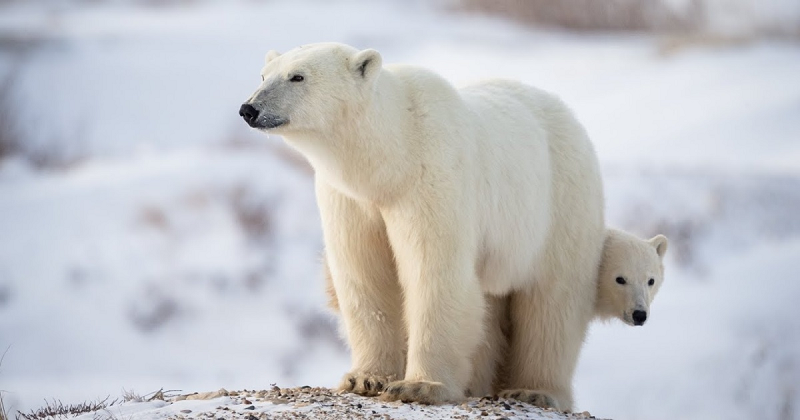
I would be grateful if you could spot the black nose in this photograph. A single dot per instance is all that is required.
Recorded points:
(639, 317)
(249, 114)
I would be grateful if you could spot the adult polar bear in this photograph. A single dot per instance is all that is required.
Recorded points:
(431, 197)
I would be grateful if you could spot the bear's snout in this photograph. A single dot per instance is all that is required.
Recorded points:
(249, 113)
(639, 317)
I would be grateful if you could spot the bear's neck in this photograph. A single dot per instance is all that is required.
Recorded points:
(374, 154)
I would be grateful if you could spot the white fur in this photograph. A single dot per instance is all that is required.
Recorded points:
(624, 255)
(431, 197)
(636, 262)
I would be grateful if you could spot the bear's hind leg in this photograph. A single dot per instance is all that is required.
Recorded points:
(492, 351)
(548, 326)
(538, 398)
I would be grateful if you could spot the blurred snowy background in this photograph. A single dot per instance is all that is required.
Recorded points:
(149, 239)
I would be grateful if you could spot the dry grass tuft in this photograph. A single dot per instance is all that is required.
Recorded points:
(56, 409)
(3, 411)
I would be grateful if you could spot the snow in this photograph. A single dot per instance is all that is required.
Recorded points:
(181, 251)
(313, 403)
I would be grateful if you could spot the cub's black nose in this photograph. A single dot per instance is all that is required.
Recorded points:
(249, 114)
(639, 317)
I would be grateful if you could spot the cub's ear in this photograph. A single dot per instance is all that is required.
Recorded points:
(366, 63)
(271, 55)
(659, 242)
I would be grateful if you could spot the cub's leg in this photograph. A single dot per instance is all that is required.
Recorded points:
(365, 284)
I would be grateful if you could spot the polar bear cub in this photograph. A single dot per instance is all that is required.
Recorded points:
(630, 274)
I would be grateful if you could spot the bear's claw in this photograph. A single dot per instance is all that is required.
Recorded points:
(417, 391)
(537, 398)
(363, 383)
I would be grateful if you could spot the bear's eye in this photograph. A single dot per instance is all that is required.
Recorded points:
(651, 282)
(297, 78)
(620, 280)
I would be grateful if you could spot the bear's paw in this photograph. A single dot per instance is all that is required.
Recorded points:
(418, 391)
(538, 398)
(365, 383)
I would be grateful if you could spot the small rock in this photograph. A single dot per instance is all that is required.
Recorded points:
(246, 401)
(484, 413)
(506, 406)
(252, 407)
(186, 411)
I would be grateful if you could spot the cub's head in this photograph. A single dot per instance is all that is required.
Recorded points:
(630, 275)
(311, 88)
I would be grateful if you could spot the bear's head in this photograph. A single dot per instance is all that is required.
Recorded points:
(630, 275)
(312, 88)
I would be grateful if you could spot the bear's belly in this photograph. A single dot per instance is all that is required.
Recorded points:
(510, 263)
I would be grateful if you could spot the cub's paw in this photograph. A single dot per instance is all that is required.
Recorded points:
(419, 391)
(364, 383)
(537, 398)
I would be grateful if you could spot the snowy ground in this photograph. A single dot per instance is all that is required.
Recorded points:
(181, 250)
(307, 402)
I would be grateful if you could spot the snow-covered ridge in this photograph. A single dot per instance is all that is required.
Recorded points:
(314, 403)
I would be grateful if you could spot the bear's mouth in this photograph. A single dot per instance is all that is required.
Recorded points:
(257, 119)
(628, 319)
(633, 320)
(270, 121)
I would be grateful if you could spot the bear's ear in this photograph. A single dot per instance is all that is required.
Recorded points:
(659, 242)
(366, 63)
(271, 55)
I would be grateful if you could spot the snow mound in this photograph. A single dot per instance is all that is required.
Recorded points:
(315, 403)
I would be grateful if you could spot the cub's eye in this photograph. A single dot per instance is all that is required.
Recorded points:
(296, 78)
(651, 282)
(620, 280)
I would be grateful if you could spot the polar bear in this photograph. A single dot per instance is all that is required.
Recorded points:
(631, 272)
(431, 197)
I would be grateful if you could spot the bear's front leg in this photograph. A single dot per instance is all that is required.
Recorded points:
(368, 293)
(443, 303)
